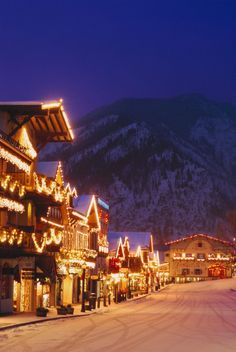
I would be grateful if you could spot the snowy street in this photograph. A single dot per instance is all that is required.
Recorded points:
(189, 317)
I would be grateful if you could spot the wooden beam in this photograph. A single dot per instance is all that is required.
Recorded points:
(27, 119)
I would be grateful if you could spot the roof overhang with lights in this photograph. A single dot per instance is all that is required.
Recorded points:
(48, 120)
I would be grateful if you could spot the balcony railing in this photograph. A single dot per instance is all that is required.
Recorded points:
(12, 142)
(13, 237)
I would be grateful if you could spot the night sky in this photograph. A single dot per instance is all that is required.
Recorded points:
(94, 52)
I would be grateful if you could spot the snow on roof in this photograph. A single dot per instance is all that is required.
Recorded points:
(81, 203)
(136, 239)
(47, 168)
(201, 235)
(29, 103)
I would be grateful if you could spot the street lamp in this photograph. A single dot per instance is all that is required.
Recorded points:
(83, 282)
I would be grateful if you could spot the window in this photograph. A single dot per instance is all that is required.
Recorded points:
(29, 214)
(93, 240)
(200, 244)
(188, 255)
(198, 271)
(185, 271)
(201, 256)
(55, 213)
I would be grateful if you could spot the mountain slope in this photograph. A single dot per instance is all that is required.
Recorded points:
(163, 165)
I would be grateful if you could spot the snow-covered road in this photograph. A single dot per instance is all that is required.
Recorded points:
(182, 318)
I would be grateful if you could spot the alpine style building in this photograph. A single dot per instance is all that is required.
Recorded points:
(199, 257)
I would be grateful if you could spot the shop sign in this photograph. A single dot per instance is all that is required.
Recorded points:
(103, 204)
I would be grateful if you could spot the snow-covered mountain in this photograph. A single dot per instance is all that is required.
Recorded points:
(165, 165)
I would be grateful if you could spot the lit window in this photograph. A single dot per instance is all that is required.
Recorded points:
(185, 271)
(198, 271)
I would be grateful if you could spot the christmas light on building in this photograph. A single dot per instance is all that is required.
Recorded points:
(11, 205)
(7, 183)
(9, 157)
(26, 143)
(11, 236)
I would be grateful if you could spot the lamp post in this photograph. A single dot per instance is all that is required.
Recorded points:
(83, 282)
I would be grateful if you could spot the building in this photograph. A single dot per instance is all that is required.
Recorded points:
(199, 257)
(77, 257)
(60, 216)
(163, 271)
(28, 239)
(96, 211)
(133, 264)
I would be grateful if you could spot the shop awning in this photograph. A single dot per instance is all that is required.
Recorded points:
(47, 265)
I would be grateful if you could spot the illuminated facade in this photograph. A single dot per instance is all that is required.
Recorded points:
(199, 257)
(133, 263)
(29, 234)
(91, 215)
(77, 257)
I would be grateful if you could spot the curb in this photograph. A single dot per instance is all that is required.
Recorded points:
(32, 322)
(137, 298)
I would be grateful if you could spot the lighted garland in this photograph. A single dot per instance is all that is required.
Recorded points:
(198, 235)
(11, 237)
(9, 157)
(51, 189)
(54, 238)
(81, 254)
(102, 241)
(39, 246)
(26, 143)
(11, 205)
(74, 263)
(44, 185)
(7, 183)
(209, 257)
(46, 240)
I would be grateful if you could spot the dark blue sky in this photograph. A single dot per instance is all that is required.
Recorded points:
(93, 52)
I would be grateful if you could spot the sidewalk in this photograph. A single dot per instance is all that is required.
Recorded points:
(21, 319)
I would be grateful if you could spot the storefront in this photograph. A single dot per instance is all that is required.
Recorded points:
(217, 271)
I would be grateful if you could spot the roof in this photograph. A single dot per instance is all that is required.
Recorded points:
(136, 239)
(47, 168)
(81, 203)
(48, 119)
(201, 235)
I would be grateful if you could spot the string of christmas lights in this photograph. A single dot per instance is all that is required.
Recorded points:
(26, 143)
(11, 205)
(9, 157)
(7, 183)
(47, 239)
(11, 237)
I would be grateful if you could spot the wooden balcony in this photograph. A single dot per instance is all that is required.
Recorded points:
(14, 153)
(20, 242)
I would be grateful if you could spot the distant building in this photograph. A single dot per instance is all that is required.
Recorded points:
(133, 263)
(96, 211)
(199, 257)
